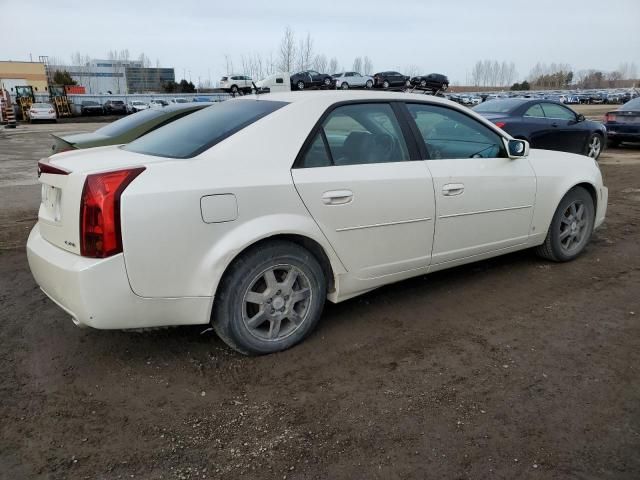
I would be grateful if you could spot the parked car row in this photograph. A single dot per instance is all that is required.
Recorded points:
(119, 107)
(567, 97)
(342, 80)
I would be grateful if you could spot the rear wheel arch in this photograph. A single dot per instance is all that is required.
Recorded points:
(311, 245)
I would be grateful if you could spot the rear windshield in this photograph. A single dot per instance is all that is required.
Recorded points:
(498, 106)
(128, 123)
(196, 133)
(40, 105)
(631, 105)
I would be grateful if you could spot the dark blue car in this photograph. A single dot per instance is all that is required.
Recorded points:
(546, 124)
(623, 124)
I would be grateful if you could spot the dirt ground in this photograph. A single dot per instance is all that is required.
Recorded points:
(509, 368)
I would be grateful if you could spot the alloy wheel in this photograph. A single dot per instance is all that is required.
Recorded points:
(595, 145)
(573, 227)
(277, 302)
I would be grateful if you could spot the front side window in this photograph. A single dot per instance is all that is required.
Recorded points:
(195, 133)
(553, 110)
(448, 133)
(358, 134)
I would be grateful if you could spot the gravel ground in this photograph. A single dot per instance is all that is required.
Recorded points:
(509, 368)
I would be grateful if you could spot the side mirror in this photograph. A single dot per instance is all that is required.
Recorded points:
(518, 148)
(580, 118)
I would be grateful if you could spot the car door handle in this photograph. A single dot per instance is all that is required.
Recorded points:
(337, 197)
(554, 124)
(451, 189)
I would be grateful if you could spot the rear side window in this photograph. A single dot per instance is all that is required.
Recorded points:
(192, 135)
(355, 135)
(535, 111)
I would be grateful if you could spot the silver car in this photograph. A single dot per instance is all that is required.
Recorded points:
(347, 80)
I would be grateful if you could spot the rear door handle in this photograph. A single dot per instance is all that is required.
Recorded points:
(451, 189)
(337, 197)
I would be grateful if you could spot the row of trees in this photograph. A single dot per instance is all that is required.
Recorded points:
(492, 73)
(293, 54)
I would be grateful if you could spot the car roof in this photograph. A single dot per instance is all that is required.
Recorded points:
(334, 96)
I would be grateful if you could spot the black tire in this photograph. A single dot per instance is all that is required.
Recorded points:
(369, 84)
(300, 85)
(386, 84)
(327, 81)
(552, 248)
(234, 89)
(344, 86)
(423, 84)
(230, 314)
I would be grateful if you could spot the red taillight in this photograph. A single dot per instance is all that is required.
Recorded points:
(100, 234)
(500, 124)
(45, 167)
(610, 117)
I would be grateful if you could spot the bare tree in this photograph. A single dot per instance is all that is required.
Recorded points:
(305, 53)
(412, 70)
(287, 51)
(367, 66)
(320, 63)
(357, 64)
(228, 64)
(333, 65)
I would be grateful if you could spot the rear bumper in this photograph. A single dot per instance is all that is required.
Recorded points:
(96, 292)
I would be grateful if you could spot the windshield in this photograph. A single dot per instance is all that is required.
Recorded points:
(127, 123)
(196, 133)
(498, 106)
(631, 105)
(88, 103)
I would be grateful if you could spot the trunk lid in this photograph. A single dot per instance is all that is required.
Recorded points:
(62, 178)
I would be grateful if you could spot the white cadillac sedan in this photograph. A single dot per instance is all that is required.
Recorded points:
(250, 213)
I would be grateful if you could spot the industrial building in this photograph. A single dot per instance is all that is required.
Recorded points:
(117, 77)
(14, 74)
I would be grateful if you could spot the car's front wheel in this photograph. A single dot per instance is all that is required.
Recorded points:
(270, 299)
(594, 146)
(385, 84)
(369, 84)
(571, 227)
(300, 85)
(344, 86)
(327, 81)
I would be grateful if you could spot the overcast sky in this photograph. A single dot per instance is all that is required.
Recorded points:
(437, 36)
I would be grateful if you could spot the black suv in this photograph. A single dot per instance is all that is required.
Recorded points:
(389, 79)
(114, 106)
(89, 107)
(310, 78)
(432, 81)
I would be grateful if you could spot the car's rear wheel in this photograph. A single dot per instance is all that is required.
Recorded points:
(571, 227)
(270, 299)
(369, 84)
(300, 85)
(344, 86)
(594, 146)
